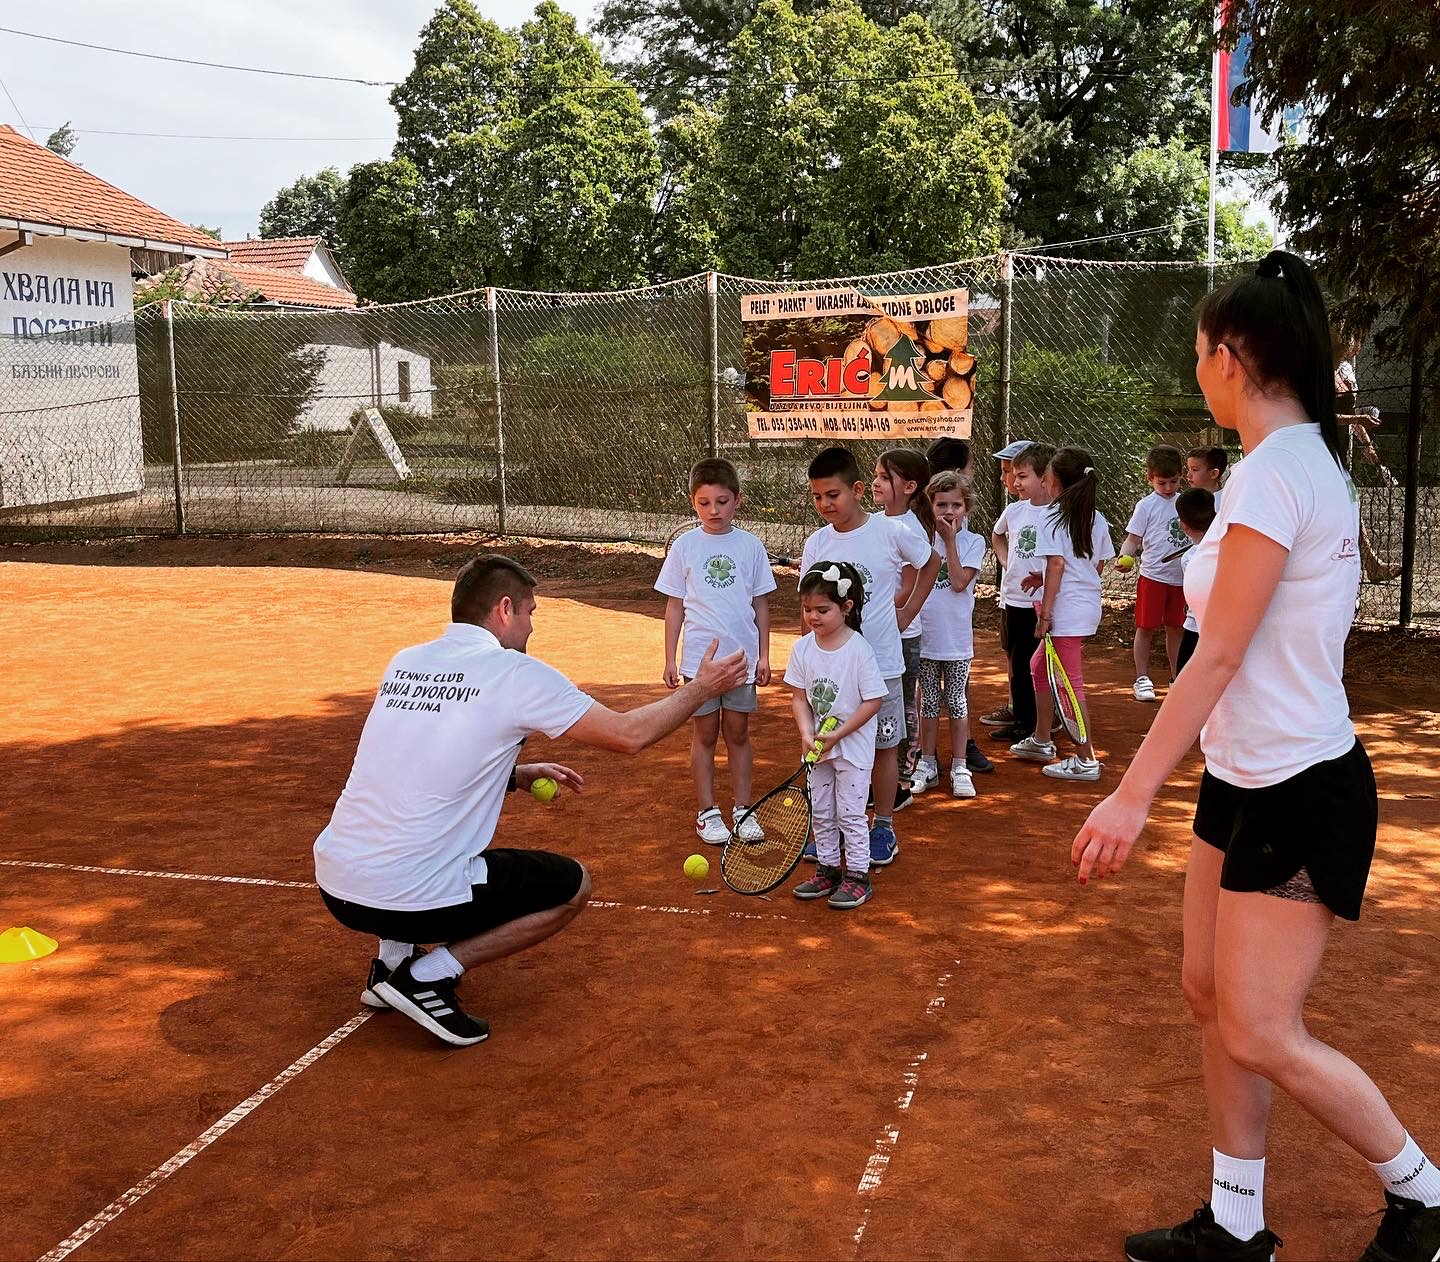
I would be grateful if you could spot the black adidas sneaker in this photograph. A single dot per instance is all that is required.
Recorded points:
(432, 1005)
(1200, 1239)
(1409, 1232)
(379, 971)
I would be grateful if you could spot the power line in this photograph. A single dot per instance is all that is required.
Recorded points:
(168, 135)
(18, 114)
(1114, 236)
(210, 65)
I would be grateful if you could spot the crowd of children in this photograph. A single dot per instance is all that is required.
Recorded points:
(887, 601)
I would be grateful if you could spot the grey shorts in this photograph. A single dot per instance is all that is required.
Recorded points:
(741, 700)
(890, 722)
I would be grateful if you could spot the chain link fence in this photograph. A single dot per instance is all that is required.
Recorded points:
(578, 416)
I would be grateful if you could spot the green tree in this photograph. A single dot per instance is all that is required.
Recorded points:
(846, 148)
(394, 252)
(687, 226)
(1357, 191)
(62, 140)
(207, 230)
(310, 207)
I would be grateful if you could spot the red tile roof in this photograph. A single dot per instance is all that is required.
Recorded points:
(234, 281)
(41, 188)
(284, 254)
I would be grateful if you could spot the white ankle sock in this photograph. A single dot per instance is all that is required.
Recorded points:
(437, 966)
(1410, 1174)
(1238, 1194)
(394, 954)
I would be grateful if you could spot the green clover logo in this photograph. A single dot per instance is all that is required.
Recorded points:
(720, 572)
(1025, 545)
(822, 696)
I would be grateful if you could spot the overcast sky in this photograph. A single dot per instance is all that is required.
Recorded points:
(220, 183)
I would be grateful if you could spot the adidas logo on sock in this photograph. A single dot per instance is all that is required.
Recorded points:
(1400, 1183)
(1239, 1191)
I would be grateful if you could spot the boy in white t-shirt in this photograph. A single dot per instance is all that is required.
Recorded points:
(879, 547)
(1197, 511)
(1154, 532)
(1204, 467)
(1014, 539)
(718, 580)
(1004, 716)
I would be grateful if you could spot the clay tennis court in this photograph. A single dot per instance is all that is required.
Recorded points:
(987, 1061)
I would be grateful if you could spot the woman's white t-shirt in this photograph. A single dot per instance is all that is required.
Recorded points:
(1286, 709)
(947, 632)
(718, 578)
(1020, 524)
(915, 524)
(1076, 610)
(836, 681)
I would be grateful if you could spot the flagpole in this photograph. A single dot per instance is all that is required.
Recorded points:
(1215, 107)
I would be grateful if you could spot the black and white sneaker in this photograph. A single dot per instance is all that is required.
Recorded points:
(432, 1005)
(1409, 1232)
(1200, 1239)
(379, 971)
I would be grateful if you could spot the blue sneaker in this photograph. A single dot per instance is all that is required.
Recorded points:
(810, 854)
(883, 846)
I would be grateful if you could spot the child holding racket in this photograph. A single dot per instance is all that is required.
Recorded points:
(1154, 532)
(947, 637)
(833, 670)
(1074, 544)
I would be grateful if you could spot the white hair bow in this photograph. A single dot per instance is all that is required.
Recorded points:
(842, 585)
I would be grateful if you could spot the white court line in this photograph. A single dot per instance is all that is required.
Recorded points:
(310, 885)
(193, 1149)
(889, 1137)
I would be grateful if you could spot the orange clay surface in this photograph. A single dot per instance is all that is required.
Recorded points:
(987, 1061)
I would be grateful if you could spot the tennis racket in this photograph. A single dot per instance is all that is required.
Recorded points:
(759, 865)
(683, 529)
(1067, 704)
(1176, 555)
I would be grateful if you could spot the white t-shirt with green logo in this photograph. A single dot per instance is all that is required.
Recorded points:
(1077, 609)
(837, 681)
(1157, 521)
(717, 576)
(1020, 523)
(947, 619)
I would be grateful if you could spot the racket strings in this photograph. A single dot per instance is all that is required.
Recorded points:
(784, 818)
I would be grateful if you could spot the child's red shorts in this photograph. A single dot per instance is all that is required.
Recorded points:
(1158, 604)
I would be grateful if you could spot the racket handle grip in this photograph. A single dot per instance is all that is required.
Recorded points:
(829, 725)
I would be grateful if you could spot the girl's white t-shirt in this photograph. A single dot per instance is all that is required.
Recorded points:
(1157, 521)
(878, 549)
(718, 578)
(836, 681)
(1286, 709)
(947, 632)
(1020, 524)
(1077, 604)
(915, 524)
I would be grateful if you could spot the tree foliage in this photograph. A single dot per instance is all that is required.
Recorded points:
(310, 207)
(62, 140)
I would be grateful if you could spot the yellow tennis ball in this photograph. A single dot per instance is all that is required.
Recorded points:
(1124, 563)
(544, 788)
(696, 866)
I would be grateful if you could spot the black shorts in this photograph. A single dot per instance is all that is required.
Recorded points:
(520, 883)
(1322, 819)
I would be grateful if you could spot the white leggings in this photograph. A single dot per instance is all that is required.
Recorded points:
(956, 675)
(837, 793)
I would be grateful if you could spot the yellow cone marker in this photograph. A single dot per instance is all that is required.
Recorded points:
(19, 945)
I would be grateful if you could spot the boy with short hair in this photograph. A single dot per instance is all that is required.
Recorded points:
(1154, 532)
(1014, 539)
(717, 580)
(1204, 467)
(879, 547)
(1005, 715)
(1196, 509)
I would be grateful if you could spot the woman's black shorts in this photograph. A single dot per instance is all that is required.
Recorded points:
(519, 883)
(1322, 819)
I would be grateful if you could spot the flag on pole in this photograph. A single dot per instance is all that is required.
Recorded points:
(1240, 128)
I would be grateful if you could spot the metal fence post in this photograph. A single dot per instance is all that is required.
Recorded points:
(1007, 277)
(500, 506)
(1412, 485)
(712, 347)
(174, 420)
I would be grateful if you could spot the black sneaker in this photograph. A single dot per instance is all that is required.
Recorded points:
(379, 971)
(903, 796)
(1200, 1239)
(1409, 1232)
(433, 1005)
(975, 758)
(1009, 734)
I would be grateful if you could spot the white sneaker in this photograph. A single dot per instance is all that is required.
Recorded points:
(710, 825)
(1073, 768)
(1032, 750)
(962, 785)
(927, 774)
(747, 827)
(1144, 690)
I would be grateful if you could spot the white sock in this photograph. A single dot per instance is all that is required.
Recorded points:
(1410, 1174)
(394, 954)
(437, 966)
(1237, 1195)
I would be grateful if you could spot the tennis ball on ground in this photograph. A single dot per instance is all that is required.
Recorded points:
(544, 788)
(1124, 563)
(696, 866)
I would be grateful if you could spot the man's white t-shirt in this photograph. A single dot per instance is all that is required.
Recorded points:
(1285, 709)
(947, 631)
(836, 682)
(1190, 623)
(1020, 524)
(915, 524)
(1077, 604)
(717, 576)
(878, 549)
(1157, 521)
(429, 776)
